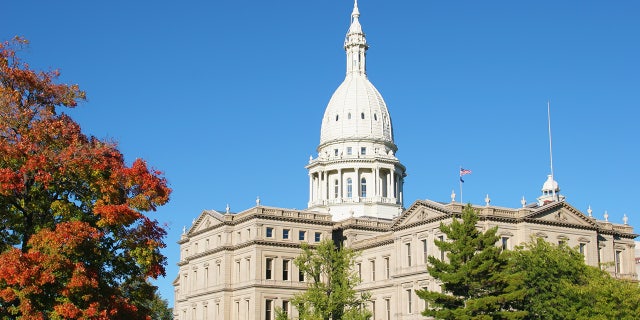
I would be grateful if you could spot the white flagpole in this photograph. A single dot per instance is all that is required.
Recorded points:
(460, 181)
(553, 187)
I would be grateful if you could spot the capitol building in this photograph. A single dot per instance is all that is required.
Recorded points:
(240, 265)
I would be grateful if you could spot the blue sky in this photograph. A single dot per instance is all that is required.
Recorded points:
(226, 97)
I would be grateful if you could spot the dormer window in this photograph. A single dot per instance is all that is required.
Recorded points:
(363, 150)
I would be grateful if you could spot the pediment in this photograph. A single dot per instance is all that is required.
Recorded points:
(420, 211)
(561, 213)
(206, 220)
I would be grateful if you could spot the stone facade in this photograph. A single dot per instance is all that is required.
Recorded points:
(240, 265)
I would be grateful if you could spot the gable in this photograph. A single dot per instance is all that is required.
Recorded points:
(421, 210)
(561, 213)
(206, 220)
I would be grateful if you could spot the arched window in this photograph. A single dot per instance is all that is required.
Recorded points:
(349, 188)
(335, 189)
(363, 187)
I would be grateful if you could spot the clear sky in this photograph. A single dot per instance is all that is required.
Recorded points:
(226, 97)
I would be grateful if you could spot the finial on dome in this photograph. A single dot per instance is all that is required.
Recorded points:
(227, 209)
(523, 202)
(487, 200)
(606, 216)
(625, 219)
(589, 211)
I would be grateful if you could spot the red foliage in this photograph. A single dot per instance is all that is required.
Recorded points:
(72, 208)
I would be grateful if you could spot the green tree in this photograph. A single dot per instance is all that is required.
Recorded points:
(74, 236)
(560, 285)
(328, 270)
(474, 281)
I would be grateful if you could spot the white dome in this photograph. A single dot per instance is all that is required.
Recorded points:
(550, 185)
(357, 111)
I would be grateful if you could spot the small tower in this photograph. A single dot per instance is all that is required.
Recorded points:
(550, 192)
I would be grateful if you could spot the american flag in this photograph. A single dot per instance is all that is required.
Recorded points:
(464, 171)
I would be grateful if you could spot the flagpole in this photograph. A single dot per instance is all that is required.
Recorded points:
(460, 181)
(553, 188)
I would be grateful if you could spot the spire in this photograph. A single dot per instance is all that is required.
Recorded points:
(355, 44)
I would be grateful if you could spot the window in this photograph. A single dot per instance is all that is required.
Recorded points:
(349, 188)
(363, 150)
(335, 188)
(363, 187)
(349, 151)
(618, 262)
(268, 268)
(425, 252)
(375, 117)
(237, 310)
(336, 117)
(362, 115)
(285, 307)
(349, 116)
(285, 233)
(335, 152)
(300, 276)
(441, 238)
(302, 235)
(269, 232)
(359, 267)
(505, 243)
(373, 309)
(373, 270)
(409, 306)
(285, 269)
(387, 306)
(582, 246)
(317, 237)
(238, 273)
(408, 246)
(387, 272)
(268, 305)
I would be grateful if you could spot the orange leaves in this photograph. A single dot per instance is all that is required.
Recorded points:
(112, 215)
(148, 189)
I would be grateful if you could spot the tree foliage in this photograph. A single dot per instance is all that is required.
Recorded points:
(74, 235)
(473, 279)
(331, 280)
(560, 285)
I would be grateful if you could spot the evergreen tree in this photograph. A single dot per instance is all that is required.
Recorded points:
(474, 281)
(328, 271)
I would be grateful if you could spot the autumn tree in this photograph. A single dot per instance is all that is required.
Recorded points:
(74, 236)
(474, 281)
(328, 270)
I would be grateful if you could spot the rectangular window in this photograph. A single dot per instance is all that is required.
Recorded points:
(237, 310)
(300, 276)
(317, 236)
(408, 246)
(359, 268)
(373, 270)
(409, 300)
(618, 261)
(269, 232)
(363, 150)
(285, 307)
(302, 235)
(387, 267)
(441, 238)
(425, 252)
(335, 151)
(268, 304)
(387, 305)
(582, 246)
(349, 151)
(238, 273)
(268, 268)
(373, 309)
(285, 234)
(335, 189)
(285, 270)
(205, 312)
(505, 243)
